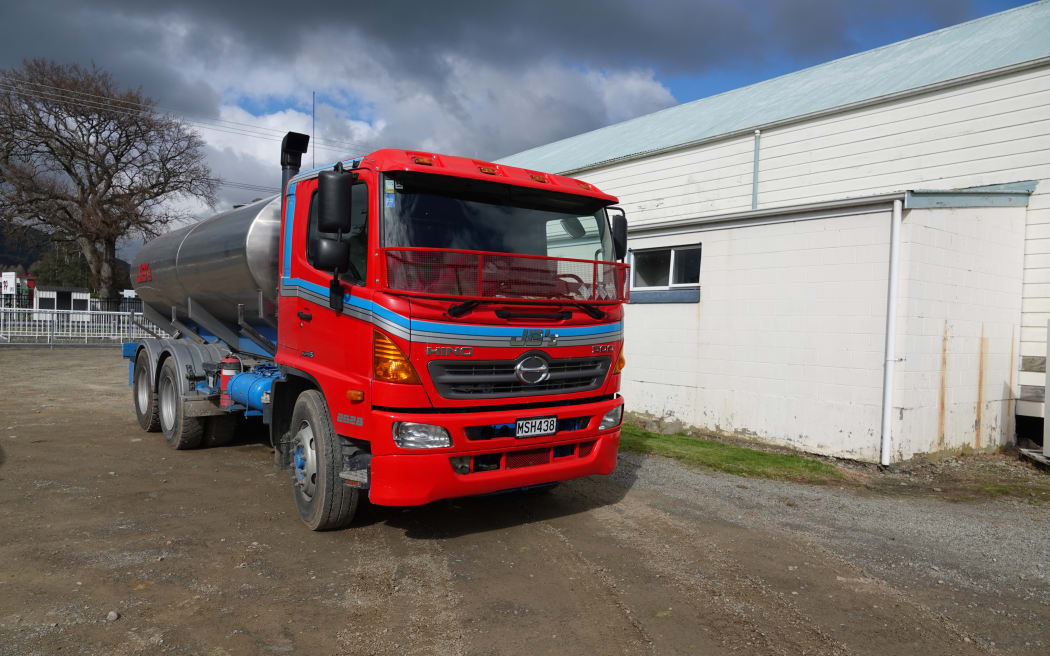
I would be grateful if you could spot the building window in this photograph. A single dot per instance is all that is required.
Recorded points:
(666, 275)
(666, 268)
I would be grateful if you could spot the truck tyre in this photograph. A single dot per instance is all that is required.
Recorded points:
(144, 396)
(219, 430)
(323, 500)
(180, 432)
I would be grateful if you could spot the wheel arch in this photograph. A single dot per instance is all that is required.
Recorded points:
(283, 396)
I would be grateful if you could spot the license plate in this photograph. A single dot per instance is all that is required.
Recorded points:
(536, 426)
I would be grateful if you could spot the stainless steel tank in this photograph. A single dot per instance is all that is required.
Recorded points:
(225, 260)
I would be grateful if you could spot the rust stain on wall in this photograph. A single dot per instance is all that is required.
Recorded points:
(981, 358)
(943, 393)
(1008, 421)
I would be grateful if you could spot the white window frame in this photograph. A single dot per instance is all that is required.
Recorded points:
(670, 270)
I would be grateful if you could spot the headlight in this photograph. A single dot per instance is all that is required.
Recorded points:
(408, 435)
(611, 418)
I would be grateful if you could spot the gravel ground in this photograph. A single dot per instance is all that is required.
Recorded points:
(110, 543)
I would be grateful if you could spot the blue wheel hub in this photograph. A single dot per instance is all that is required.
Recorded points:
(300, 463)
(304, 459)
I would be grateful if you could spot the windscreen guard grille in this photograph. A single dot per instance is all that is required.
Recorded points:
(475, 275)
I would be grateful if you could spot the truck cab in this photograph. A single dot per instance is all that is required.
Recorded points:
(443, 327)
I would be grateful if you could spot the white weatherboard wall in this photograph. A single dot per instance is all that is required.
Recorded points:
(993, 131)
(959, 309)
(786, 342)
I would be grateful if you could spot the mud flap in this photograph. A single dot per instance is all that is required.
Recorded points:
(356, 470)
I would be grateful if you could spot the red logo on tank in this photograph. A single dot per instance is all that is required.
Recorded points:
(145, 275)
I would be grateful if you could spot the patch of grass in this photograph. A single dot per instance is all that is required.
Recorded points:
(728, 457)
(1037, 491)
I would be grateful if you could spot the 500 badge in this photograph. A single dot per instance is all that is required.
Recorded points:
(603, 348)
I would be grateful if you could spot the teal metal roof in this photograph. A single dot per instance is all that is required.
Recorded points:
(1005, 39)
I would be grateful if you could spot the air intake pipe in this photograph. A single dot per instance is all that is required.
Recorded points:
(292, 148)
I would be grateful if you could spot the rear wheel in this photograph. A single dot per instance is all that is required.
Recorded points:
(324, 502)
(146, 407)
(180, 432)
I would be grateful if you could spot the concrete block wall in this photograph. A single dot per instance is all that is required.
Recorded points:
(958, 338)
(786, 343)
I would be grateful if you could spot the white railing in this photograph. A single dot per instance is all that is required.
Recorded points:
(29, 326)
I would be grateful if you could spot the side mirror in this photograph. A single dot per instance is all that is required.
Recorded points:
(331, 255)
(333, 196)
(619, 231)
(334, 255)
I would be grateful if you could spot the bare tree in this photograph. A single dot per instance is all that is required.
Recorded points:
(90, 163)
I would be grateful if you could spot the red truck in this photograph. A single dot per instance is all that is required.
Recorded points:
(409, 325)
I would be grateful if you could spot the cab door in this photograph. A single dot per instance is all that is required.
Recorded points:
(337, 344)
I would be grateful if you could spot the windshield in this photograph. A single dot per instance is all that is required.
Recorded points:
(434, 211)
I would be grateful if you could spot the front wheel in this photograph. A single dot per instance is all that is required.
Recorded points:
(323, 500)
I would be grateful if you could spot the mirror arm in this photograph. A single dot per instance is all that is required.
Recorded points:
(335, 288)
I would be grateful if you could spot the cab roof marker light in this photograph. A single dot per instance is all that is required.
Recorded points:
(423, 160)
(538, 177)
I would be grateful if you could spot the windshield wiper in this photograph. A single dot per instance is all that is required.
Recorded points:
(591, 311)
(457, 310)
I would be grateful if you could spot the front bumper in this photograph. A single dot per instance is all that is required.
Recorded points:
(406, 477)
(412, 480)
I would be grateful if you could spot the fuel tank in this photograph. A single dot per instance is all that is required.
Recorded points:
(222, 261)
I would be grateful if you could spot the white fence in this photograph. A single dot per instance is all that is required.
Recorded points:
(28, 326)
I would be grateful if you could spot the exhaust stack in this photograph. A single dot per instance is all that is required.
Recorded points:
(292, 148)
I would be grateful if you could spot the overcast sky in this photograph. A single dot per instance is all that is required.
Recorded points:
(483, 79)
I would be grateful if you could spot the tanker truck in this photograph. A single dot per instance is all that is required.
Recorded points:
(407, 325)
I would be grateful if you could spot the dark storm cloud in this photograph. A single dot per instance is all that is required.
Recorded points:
(676, 37)
(477, 78)
(679, 36)
(123, 44)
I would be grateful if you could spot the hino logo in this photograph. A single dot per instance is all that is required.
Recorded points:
(532, 370)
(530, 337)
(463, 351)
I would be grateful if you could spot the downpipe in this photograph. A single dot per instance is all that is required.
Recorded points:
(891, 334)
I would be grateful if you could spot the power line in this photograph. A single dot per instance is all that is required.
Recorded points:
(246, 186)
(137, 105)
(131, 108)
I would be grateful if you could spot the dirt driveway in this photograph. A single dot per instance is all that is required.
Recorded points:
(201, 552)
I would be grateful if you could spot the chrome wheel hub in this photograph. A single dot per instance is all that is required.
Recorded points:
(304, 461)
(142, 390)
(166, 397)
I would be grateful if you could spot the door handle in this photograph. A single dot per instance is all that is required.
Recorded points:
(305, 316)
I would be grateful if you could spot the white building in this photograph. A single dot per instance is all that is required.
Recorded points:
(761, 230)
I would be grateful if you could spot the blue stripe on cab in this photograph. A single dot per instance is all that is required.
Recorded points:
(454, 328)
(510, 331)
(287, 254)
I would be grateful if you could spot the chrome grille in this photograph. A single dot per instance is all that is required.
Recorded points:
(456, 379)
